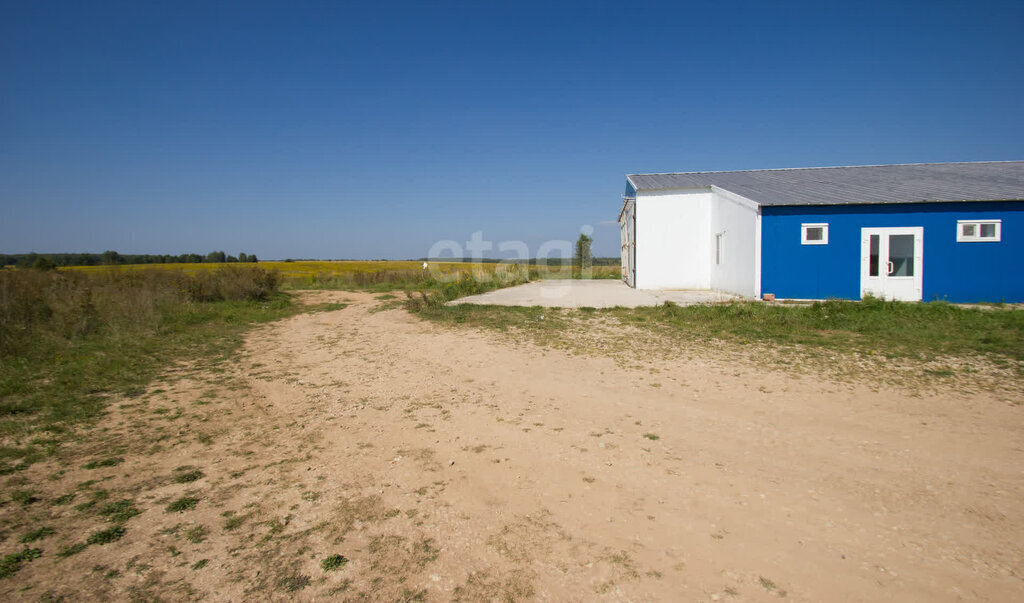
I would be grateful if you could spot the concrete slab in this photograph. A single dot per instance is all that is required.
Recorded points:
(594, 294)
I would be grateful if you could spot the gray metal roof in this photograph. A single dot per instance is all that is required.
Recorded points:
(911, 183)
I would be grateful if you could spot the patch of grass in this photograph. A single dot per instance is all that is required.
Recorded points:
(119, 511)
(24, 497)
(433, 294)
(64, 499)
(37, 534)
(70, 340)
(198, 565)
(333, 562)
(233, 521)
(185, 503)
(766, 583)
(185, 477)
(111, 534)
(326, 307)
(899, 329)
(10, 564)
(70, 550)
(868, 327)
(196, 534)
(294, 582)
(652, 436)
(111, 462)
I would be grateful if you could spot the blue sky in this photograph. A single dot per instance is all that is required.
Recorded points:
(375, 129)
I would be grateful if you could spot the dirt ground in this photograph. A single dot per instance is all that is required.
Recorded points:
(460, 464)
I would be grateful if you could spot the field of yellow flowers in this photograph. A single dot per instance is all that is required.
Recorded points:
(343, 274)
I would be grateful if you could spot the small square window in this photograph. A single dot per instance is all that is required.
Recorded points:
(814, 234)
(979, 231)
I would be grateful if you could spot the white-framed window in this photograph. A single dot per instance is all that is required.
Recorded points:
(814, 234)
(979, 231)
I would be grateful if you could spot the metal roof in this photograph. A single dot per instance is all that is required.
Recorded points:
(910, 183)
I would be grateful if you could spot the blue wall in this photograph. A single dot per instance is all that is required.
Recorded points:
(956, 272)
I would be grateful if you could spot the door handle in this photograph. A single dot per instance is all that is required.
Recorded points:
(890, 267)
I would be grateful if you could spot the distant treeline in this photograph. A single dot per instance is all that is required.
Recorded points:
(113, 258)
(531, 261)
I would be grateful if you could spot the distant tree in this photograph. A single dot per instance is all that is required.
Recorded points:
(44, 262)
(253, 259)
(584, 258)
(231, 259)
(242, 257)
(216, 256)
(110, 257)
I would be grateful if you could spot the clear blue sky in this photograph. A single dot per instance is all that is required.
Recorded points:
(374, 129)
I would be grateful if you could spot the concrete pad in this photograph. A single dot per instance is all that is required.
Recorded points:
(590, 293)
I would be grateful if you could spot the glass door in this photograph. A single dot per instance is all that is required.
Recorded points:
(891, 263)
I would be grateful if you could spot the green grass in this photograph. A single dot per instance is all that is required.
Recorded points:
(37, 534)
(112, 462)
(11, 563)
(232, 521)
(870, 327)
(119, 511)
(70, 550)
(185, 476)
(106, 536)
(196, 534)
(70, 342)
(185, 503)
(333, 562)
(24, 497)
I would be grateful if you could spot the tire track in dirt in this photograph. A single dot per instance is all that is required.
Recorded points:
(458, 464)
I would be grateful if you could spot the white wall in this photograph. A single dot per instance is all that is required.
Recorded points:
(672, 239)
(735, 218)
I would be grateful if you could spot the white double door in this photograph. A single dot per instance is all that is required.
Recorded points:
(892, 262)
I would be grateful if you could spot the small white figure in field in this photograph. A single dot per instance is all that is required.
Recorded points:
(424, 265)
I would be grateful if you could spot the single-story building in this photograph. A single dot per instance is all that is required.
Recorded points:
(940, 231)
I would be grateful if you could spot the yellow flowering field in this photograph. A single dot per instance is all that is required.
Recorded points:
(327, 274)
(311, 268)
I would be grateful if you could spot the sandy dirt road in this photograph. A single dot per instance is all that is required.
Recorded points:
(458, 464)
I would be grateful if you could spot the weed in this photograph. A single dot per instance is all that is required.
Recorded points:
(185, 503)
(106, 536)
(111, 462)
(196, 534)
(333, 562)
(119, 511)
(11, 563)
(24, 497)
(37, 534)
(294, 582)
(70, 550)
(198, 565)
(64, 499)
(652, 436)
(188, 476)
(233, 522)
(766, 583)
